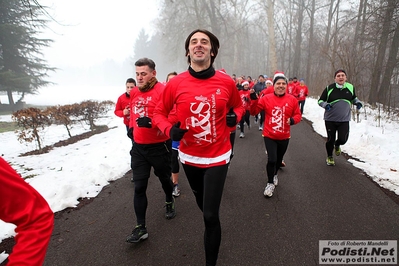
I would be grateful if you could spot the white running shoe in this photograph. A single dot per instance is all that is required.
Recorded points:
(269, 189)
(242, 135)
(260, 128)
(176, 190)
(275, 180)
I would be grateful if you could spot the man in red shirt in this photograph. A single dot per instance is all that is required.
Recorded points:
(151, 147)
(303, 92)
(23, 206)
(203, 97)
(122, 106)
(292, 87)
(281, 111)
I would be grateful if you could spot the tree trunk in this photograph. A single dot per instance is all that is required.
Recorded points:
(377, 69)
(335, 35)
(391, 63)
(359, 23)
(10, 98)
(329, 23)
(310, 42)
(298, 41)
(272, 39)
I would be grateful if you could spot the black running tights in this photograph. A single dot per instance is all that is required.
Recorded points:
(245, 118)
(343, 133)
(207, 185)
(275, 153)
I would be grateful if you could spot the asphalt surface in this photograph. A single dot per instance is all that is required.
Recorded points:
(312, 202)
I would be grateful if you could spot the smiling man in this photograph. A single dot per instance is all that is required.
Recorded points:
(281, 111)
(337, 99)
(203, 97)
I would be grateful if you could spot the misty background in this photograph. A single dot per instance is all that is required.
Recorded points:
(95, 44)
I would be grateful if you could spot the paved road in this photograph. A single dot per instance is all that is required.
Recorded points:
(312, 202)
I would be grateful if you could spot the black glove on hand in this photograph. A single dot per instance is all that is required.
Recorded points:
(359, 105)
(253, 96)
(144, 122)
(130, 133)
(176, 133)
(245, 99)
(231, 118)
(328, 107)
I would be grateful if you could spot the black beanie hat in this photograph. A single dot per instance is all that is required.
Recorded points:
(338, 71)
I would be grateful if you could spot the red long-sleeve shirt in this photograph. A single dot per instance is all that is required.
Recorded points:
(303, 92)
(121, 104)
(23, 206)
(245, 99)
(267, 90)
(143, 104)
(278, 109)
(201, 107)
(292, 89)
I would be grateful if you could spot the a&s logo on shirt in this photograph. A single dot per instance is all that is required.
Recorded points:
(141, 106)
(277, 120)
(200, 119)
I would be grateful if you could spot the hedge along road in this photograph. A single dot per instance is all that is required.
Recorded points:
(312, 202)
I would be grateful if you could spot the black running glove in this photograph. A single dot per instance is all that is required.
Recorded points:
(176, 133)
(253, 96)
(231, 118)
(144, 122)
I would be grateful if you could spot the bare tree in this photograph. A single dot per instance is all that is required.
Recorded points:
(386, 88)
(382, 48)
(298, 37)
(272, 38)
(310, 38)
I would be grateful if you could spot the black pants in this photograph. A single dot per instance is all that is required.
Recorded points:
(143, 157)
(232, 140)
(343, 134)
(301, 105)
(262, 118)
(275, 153)
(245, 118)
(207, 185)
(175, 161)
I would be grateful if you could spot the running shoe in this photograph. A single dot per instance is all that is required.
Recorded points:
(176, 190)
(170, 209)
(242, 135)
(138, 234)
(260, 128)
(330, 160)
(282, 164)
(337, 150)
(269, 189)
(275, 180)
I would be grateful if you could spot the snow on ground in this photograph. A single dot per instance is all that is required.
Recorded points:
(81, 170)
